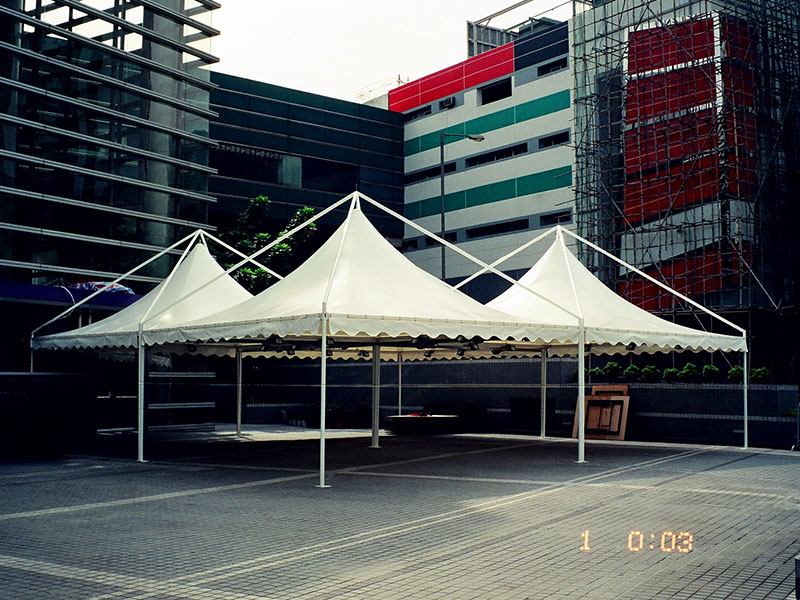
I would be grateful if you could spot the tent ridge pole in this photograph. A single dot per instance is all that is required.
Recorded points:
(120, 278)
(290, 233)
(338, 253)
(242, 254)
(169, 278)
(503, 259)
(466, 255)
(657, 282)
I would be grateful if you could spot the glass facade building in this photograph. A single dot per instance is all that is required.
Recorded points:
(104, 112)
(104, 119)
(302, 149)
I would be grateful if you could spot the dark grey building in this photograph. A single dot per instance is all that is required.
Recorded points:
(301, 149)
(104, 144)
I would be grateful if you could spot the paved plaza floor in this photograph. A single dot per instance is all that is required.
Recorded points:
(450, 517)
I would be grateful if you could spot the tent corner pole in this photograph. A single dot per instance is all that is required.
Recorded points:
(141, 355)
(745, 382)
(238, 391)
(399, 383)
(581, 395)
(322, 386)
(543, 407)
(376, 395)
(31, 354)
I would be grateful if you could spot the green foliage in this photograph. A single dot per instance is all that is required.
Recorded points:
(597, 374)
(711, 374)
(632, 373)
(670, 375)
(760, 375)
(249, 235)
(612, 370)
(651, 374)
(689, 373)
(736, 375)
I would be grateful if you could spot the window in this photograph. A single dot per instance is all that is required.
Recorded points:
(409, 245)
(497, 228)
(552, 67)
(428, 173)
(417, 113)
(494, 155)
(554, 140)
(494, 91)
(564, 216)
(447, 103)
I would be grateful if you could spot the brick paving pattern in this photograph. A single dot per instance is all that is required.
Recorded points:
(455, 517)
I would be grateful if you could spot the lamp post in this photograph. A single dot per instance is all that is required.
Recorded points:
(442, 135)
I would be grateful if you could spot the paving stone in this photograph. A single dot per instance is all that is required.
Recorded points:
(442, 517)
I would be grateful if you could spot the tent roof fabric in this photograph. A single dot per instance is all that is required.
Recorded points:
(611, 322)
(370, 290)
(175, 304)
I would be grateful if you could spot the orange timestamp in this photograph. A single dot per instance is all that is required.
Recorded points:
(681, 542)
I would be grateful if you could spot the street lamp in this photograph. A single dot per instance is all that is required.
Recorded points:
(442, 135)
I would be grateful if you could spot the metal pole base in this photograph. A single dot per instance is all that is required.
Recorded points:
(322, 486)
(581, 462)
(374, 446)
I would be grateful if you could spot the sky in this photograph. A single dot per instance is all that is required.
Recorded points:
(340, 48)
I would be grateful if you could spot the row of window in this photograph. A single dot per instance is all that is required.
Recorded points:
(492, 229)
(542, 143)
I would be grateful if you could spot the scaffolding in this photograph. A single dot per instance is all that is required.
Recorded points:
(688, 147)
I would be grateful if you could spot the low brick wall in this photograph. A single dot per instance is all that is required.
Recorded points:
(508, 394)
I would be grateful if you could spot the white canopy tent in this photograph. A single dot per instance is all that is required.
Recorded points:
(172, 302)
(607, 322)
(167, 304)
(358, 290)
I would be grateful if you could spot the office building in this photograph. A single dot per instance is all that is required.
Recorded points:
(104, 156)
(517, 180)
(301, 149)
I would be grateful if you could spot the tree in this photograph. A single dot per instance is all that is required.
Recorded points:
(250, 235)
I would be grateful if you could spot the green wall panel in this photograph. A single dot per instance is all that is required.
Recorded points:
(492, 121)
(493, 192)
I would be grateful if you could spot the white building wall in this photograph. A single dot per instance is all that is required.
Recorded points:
(522, 205)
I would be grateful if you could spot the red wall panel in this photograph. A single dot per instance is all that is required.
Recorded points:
(667, 93)
(692, 276)
(650, 145)
(663, 47)
(489, 65)
(473, 71)
(671, 188)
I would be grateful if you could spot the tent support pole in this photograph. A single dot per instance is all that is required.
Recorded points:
(141, 355)
(581, 395)
(543, 407)
(745, 380)
(322, 386)
(399, 383)
(376, 395)
(238, 391)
